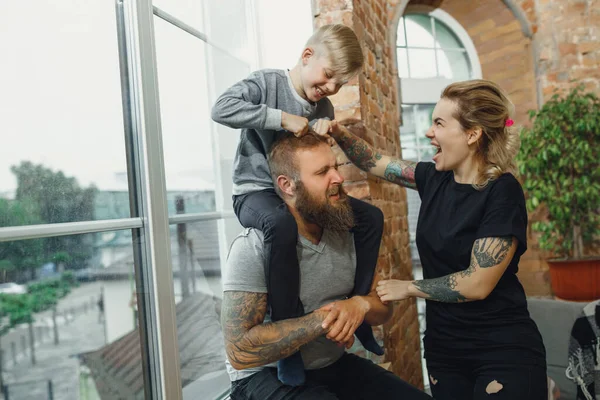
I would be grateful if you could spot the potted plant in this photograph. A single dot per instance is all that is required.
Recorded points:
(559, 163)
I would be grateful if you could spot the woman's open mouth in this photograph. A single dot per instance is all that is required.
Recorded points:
(438, 151)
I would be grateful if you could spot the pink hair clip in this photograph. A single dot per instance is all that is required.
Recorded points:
(509, 122)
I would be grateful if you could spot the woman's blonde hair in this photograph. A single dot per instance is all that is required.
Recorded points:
(340, 44)
(482, 104)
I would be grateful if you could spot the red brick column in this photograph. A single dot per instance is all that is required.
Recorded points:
(372, 98)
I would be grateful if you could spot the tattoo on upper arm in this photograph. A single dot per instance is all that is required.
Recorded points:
(401, 172)
(359, 152)
(441, 289)
(240, 312)
(491, 251)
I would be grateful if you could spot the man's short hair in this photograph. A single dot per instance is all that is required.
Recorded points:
(282, 157)
(340, 44)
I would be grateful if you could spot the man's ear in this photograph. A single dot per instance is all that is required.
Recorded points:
(307, 53)
(473, 135)
(286, 185)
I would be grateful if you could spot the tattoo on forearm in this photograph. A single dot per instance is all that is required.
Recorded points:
(491, 251)
(487, 252)
(469, 271)
(401, 172)
(359, 152)
(441, 289)
(249, 342)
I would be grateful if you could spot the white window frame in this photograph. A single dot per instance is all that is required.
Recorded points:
(428, 90)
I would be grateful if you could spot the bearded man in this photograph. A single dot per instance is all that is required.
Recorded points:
(305, 175)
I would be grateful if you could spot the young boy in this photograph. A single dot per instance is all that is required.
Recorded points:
(263, 105)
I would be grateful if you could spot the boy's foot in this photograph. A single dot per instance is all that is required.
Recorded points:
(290, 371)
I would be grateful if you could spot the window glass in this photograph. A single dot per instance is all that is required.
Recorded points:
(198, 298)
(70, 322)
(188, 11)
(422, 63)
(402, 63)
(418, 30)
(61, 111)
(401, 37)
(454, 65)
(185, 116)
(445, 38)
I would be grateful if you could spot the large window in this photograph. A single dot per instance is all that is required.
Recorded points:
(115, 191)
(66, 244)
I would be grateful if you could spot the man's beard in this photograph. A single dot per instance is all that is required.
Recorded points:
(334, 215)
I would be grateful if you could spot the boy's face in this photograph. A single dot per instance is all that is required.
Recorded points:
(318, 79)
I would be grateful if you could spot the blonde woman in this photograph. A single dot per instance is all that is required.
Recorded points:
(471, 233)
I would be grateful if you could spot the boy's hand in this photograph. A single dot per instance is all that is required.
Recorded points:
(294, 123)
(323, 127)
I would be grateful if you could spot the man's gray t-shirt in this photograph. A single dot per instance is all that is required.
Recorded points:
(254, 105)
(327, 274)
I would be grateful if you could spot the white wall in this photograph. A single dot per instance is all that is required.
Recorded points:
(283, 27)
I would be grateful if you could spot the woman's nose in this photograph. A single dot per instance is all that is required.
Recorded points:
(429, 132)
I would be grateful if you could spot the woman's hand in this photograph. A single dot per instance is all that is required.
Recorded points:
(393, 289)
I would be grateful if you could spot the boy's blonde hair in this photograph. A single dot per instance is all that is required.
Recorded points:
(340, 44)
(483, 104)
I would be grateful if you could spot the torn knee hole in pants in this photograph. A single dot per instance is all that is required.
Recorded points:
(493, 387)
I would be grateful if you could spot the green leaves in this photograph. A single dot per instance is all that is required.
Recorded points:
(559, 164)
(39, 297)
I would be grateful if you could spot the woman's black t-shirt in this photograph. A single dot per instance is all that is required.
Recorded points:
(451, 218)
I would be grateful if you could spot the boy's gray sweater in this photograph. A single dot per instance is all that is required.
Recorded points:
(254, 105)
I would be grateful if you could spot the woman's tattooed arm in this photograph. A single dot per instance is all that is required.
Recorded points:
(366, 158)
(479, 279)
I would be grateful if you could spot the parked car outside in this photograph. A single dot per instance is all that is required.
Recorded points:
(12, 288)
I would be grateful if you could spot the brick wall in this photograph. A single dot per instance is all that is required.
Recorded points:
(371, 99)
(567, 33)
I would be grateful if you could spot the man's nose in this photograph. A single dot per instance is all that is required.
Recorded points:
(336, 178)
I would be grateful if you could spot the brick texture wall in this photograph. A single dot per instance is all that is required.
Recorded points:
(567, 33)
(371, 100)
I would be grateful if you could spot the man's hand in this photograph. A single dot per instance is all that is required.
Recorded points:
(393, 289)
(294, 123)
(343, 318)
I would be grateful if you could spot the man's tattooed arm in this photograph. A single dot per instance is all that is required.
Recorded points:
(366, 158)
(478, 280)
(250, 343)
